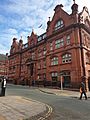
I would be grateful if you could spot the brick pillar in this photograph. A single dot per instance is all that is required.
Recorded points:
(87, 85)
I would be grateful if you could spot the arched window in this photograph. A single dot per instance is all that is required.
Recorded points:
(66, 58)
(59, 24)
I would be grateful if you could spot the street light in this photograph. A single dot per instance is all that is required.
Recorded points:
(61, 82)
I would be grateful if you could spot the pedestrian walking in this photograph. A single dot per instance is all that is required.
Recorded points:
(83, 91)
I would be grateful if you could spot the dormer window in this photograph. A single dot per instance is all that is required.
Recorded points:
(59, 24)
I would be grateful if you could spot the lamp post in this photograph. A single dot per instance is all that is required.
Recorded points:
(31, 72)
(61, 78)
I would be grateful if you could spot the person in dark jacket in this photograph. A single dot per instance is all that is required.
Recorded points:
(3, 87)
(83, 91)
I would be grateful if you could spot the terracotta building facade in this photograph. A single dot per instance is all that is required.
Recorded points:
(4, 65)
(62, 52)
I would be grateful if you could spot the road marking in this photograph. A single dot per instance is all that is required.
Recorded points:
(49, 109)
(47, 114)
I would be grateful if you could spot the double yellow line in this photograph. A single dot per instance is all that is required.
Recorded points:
(48, 113)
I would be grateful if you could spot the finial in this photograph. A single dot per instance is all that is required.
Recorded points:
(21, 37)
(6, 54)
(49, 18)
(29, 34)
(61, 5)
(74, 1)
(32, 30)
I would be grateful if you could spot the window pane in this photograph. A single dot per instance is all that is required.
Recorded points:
(54, 61)
(51, 46)
(66, 58)
(68, 39)
(59, 24)
(59, 43)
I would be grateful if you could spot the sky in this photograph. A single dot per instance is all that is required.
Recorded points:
(19, 17)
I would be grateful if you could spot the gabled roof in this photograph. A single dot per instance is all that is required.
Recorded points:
(84, 16)
(58, 14)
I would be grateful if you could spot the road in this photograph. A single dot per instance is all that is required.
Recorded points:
(64, 107)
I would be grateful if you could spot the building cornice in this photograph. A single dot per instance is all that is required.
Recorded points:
(55, 33)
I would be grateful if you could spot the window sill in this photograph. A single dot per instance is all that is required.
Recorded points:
(65, 63)
(53, 65)
(88, 63)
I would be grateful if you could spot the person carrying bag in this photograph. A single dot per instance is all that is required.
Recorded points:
(83, 91)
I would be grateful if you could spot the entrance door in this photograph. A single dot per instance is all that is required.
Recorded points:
(67, 81)
(54, 81)
(66, 78)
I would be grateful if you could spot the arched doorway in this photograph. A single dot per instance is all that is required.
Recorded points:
(31, 71)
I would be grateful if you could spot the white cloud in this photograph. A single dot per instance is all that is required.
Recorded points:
(6, 37)
(20, 17)
(2, 19)
(19, 7)
(10, 31)
(27, 21)
(3, 49)
(83, 3)
(39, 31)
(24, 35)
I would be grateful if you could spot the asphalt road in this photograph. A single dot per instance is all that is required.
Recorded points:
(64, 107)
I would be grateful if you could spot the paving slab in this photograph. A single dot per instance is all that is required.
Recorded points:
(19, 108)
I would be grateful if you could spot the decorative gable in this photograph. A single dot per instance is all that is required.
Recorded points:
(84, 17)
(59, 20)
(32, 40)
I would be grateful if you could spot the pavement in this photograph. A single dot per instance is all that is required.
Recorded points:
(21, 108)
(68, 93)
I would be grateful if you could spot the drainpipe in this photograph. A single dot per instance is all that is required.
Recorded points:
(20, 68)
(82, 55)
(82, 58)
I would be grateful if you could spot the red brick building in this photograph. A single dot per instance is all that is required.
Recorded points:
(3, 65)
(63, 50)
